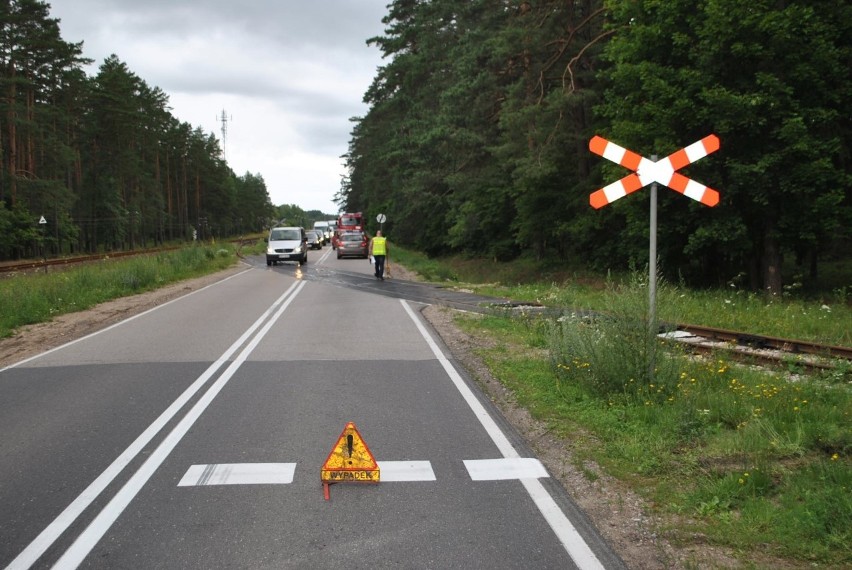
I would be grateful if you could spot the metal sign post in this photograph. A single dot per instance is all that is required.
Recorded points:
(43, 225)
(652, 282)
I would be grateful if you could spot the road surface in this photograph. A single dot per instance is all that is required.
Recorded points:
(193, 436)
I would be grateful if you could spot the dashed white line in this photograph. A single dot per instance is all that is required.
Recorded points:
(505, 468)
(391, 471)
(239, 474)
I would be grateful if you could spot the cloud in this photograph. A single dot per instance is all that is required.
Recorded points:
(289, 76)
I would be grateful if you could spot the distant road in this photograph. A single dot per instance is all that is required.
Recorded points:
(192, 436)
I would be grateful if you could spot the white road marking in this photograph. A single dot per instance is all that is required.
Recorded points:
(239, 474)
(393, 471)
(505, 468)
(326, 255)
(571, 540)
(48, 536)
(283, 473)
(96, 530)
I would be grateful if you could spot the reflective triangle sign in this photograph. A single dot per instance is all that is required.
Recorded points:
(350, 460)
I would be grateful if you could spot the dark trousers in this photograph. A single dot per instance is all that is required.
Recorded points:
(380, 265)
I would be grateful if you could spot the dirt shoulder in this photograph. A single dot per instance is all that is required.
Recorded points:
(31, 340)
(620, 516)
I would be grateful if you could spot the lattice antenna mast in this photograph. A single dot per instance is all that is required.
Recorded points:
(224, 118)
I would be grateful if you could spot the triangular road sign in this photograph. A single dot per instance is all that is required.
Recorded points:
(350, 460)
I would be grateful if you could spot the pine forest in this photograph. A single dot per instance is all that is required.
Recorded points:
(477, 135)
(476, 138)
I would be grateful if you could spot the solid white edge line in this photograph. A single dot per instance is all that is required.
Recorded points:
(60, 524)
(497, 436)
(239, 474)
(87, 540)
(127, 320)
(565, 531)
(571, 540)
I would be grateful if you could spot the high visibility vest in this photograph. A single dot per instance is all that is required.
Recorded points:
(379, 247)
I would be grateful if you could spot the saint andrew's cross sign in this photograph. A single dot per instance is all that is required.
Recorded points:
(646, 171)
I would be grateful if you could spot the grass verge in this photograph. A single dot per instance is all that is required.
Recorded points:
(821, 318)
(734, 456)
(38, 297)
(728, 455)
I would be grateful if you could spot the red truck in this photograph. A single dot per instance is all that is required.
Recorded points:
(350, 222)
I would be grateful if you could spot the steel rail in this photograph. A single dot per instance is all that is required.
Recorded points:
(768, 342)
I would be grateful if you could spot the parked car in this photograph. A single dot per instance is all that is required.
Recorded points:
(286, 244)
(315, 240)
(352, 244)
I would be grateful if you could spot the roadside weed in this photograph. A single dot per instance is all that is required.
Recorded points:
(755, 461)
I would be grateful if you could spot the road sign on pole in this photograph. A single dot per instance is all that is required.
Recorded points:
(43, 225)
(652, 171)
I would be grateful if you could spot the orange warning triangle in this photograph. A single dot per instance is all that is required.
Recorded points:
(350, 459)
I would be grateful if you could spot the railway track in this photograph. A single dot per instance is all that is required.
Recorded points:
(769, 342)
(43, 264)
(760, 349)
(28, 266)
(742, 346)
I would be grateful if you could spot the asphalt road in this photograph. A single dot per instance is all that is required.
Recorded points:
(193, 436)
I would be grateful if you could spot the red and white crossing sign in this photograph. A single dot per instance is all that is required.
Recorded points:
(647, 171)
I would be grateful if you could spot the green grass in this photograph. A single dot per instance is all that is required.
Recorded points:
(821, 318)
(747, 459)
(39, 297)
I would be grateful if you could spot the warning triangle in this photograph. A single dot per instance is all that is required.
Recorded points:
(350, 459)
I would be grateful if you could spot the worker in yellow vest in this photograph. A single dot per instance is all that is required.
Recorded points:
(378, 252)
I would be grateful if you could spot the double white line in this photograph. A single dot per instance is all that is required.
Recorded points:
(99, 526)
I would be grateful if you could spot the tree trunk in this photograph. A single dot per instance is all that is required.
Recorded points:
(12, 137)
(772, 260)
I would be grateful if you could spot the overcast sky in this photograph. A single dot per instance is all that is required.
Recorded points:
(288, 74)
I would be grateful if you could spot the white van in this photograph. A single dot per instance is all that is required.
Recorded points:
(322, 228)
(286, 244)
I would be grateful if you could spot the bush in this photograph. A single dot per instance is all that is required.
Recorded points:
(616, 351)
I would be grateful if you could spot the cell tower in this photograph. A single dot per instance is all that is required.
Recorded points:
(225, 118)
